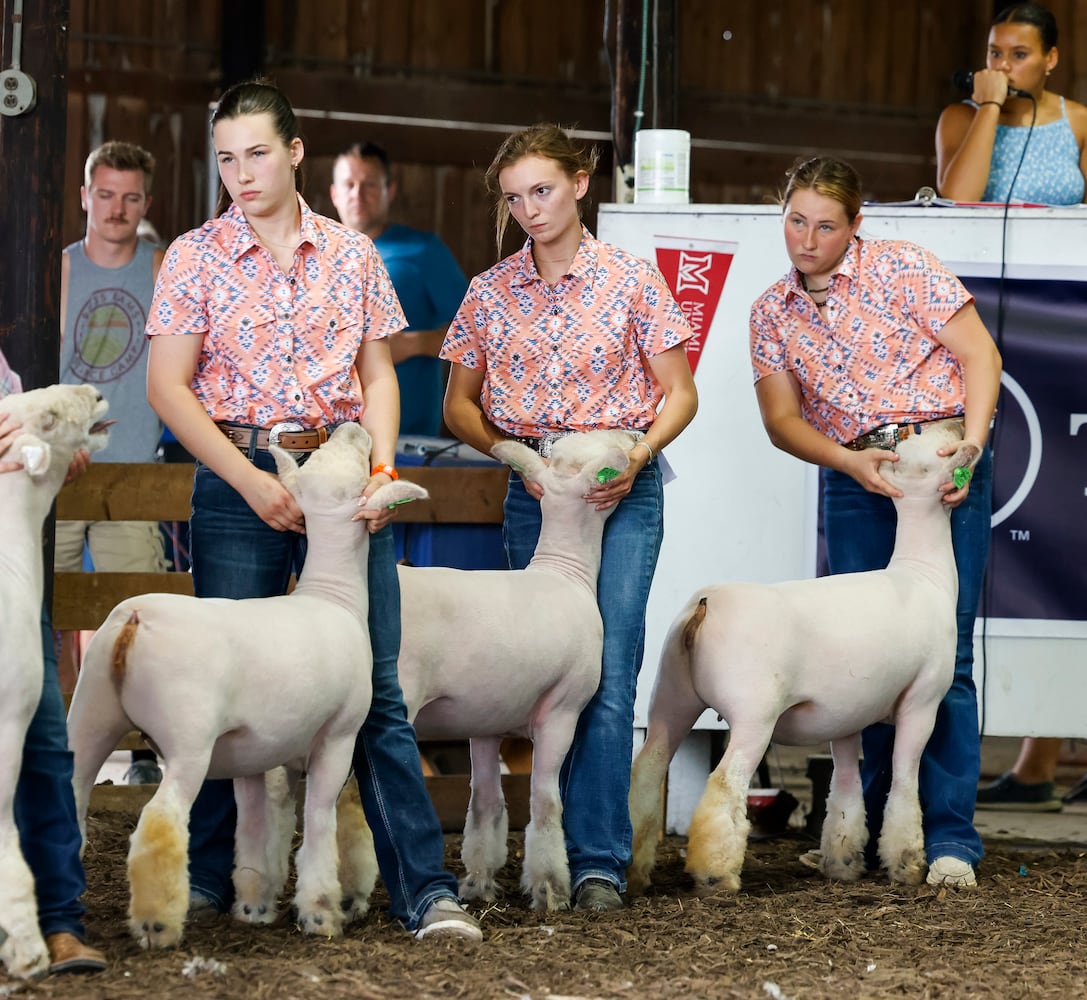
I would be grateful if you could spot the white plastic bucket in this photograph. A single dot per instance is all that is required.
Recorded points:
(662, 166)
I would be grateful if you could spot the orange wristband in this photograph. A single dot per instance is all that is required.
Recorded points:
(388, 470)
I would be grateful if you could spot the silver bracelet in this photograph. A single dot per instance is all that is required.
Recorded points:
(648, 447)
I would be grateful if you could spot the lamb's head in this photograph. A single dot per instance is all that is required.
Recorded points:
(579, 462)
(56, 422)
(336, 474)
(920, 471)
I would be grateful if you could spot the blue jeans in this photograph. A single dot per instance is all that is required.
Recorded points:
(595, 779)
(235, 554)
(860, 531)
(45, 806)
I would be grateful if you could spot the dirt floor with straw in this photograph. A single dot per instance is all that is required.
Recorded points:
(787, 934)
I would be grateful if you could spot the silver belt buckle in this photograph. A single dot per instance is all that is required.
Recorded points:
(284, 427)
(887, 437)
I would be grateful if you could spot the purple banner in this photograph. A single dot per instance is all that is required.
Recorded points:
(1038, 561)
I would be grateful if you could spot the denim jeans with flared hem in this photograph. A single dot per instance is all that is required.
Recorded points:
(45, 806)
(235, 554)
(595, 779)
(860, 531)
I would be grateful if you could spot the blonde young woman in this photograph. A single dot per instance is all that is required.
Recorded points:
(860, 343)
(571, 334)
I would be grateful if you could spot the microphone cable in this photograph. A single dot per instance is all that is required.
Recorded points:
(998, 423)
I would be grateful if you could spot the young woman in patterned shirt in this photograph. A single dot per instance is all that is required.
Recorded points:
(866, 339)
(572, 334)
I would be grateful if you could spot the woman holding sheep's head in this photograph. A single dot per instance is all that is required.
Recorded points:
(572, 334)
(860, 344)
(270, 320)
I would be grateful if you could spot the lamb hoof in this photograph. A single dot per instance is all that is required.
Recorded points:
(548, 898)
(478, 887)
(255, 913)
(24, 959)
(843, 867)
(711, 886)
(354, 908)
(321, 919)
(909, 869)
(638, 881)
(150, 933)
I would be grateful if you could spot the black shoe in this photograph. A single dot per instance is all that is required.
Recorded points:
(1007, 792)
(597, 894)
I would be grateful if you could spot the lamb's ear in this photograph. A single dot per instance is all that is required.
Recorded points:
(519, 457)
(34, 454)
(287, 469)
(400, 491)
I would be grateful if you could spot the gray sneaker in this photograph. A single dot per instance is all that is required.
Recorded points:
(445, 917)
(202, 907)
(143, 772)
(597, 894)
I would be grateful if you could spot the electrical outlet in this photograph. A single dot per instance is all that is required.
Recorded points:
(18, 92)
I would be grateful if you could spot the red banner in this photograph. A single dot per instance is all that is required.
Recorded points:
(695, 271)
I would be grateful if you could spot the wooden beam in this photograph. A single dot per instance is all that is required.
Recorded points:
(128, 491)
(82, 601)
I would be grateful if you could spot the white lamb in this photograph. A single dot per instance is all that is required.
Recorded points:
(487, 654)
(56, 422)
(795, 663)
(232, 689)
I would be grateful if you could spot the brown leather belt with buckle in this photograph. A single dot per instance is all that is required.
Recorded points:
(289, 435)
(888, 436)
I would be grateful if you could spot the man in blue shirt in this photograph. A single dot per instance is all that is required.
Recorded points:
(427, 279)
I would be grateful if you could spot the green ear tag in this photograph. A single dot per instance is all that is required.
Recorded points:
(961, 476)
(606, 475)
(397, 503)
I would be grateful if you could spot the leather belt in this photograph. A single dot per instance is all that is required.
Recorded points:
(545, 442)
(888, 436)
(288, 435)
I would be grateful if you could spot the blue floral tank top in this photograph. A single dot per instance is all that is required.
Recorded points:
(1050, 173)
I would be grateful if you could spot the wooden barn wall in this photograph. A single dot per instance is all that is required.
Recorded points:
(439, 82)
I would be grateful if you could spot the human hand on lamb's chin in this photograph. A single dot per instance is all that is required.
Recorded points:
(7, 437)
(864, 467)
(271, 501)
(532, 488)
(80, 463)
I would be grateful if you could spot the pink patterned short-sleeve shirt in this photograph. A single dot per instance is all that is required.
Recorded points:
(572, 356)
(276, 346)
(9, 381)
(877, 357)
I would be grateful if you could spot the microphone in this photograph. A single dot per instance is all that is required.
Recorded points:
(963, 79)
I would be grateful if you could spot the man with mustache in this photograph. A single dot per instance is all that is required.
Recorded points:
(107, 279)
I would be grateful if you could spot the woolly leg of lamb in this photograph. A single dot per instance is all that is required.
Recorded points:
(486, 826)
(845, 831)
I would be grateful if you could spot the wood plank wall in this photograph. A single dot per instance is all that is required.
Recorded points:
(761, 81)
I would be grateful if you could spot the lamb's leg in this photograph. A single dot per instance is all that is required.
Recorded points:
(318, 894)
(358, 861)
(902, 841)
(22, 949)
(158, 871)
(717, 840)
(255, 882)
(96, 722)
(486, 827)
(545, 875)
(673, 711)
(845, 831)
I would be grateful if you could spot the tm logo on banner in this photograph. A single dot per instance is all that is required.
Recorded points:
(695, 271)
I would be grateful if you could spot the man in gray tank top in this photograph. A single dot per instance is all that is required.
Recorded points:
(107, 280)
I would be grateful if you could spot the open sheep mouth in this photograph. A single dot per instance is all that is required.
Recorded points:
(101, 426)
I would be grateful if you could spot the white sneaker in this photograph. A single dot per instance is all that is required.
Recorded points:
(951, 871)
(446, 917)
